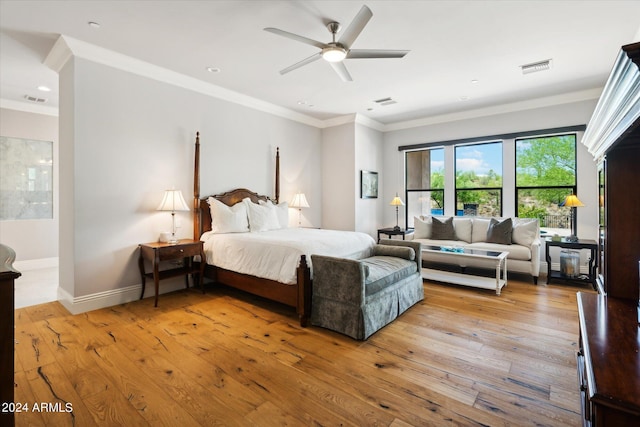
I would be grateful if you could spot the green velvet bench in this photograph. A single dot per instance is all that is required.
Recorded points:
(357, 297)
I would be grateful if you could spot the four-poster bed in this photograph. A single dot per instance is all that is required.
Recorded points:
(273, 264)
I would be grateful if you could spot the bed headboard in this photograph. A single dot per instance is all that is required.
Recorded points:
(229, 198)
(201, 212)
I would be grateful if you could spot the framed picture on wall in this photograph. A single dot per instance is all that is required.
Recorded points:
(368, 185)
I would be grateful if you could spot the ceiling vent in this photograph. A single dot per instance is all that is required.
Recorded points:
(385, 101)
(35, 99)
(534, 67)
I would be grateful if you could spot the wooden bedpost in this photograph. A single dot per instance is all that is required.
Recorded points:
(304, 291)
(196, 190)
(277, 175)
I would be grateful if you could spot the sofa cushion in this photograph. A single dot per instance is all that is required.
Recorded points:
(500, 231)
(514, 251)
(442, 229)
(422, 227)
(463, 227)
(525, 231)
(385, 271)
(479, 231)
(396, 251)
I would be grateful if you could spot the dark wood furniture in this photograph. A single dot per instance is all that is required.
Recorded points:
(608, 362)
(613, 137)
(8, 275)
(393, 232)
(183, 251)
(590, 245)
(298, 295)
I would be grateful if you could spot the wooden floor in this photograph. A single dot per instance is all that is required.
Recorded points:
(461, 357)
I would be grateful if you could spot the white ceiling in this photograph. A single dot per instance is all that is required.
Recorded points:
(451, 43)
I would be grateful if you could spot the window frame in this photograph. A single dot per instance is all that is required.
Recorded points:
(407, 191)
(455, 175)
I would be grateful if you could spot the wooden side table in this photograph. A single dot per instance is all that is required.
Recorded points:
(393, 232)
(157, 252)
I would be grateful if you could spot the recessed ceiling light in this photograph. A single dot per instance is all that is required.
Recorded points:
(93, 24)
(474, 81)
(213, 69)
(44, 89)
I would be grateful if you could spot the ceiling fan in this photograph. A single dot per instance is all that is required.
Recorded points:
(336, 51)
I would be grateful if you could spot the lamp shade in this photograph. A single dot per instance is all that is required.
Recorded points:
(572, 201)
(397, 201)
(173, 201)
(299, 201)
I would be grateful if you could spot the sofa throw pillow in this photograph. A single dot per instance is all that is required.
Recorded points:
(442, 230)
(500, 231)
(422, 228)
(525, 231)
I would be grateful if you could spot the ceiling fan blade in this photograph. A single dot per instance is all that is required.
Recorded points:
(292, 36)
(376, 53)
(305, 61)
(355, 28)
(341, 69)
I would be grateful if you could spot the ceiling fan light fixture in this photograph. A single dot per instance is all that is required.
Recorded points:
(334, 53)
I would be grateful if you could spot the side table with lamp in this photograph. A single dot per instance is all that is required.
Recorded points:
(395, 231)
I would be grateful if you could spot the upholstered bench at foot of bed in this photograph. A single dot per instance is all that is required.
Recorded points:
(358, 297)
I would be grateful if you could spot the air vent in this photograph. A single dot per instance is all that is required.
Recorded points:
(385, 101)
(35, 99)
(534, 67)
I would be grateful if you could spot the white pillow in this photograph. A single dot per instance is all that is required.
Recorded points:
(422, 228)
(479, 229)
(525, 231)
(261, 218)
(282, 212)
(463, 228)
(225, 219)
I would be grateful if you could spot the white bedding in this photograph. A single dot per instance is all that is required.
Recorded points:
(276, 254)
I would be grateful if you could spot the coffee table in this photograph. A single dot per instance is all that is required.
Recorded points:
(449, 255)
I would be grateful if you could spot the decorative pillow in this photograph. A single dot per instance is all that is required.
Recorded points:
(479, 229)
(395, 251)
(422, 228)
(500, 231)
(463, 226)
(261, 218)
(442, 230)
(225, 219)
(282, 212)
(525, 231)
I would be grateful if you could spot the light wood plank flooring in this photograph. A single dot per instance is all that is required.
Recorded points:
(462, 357)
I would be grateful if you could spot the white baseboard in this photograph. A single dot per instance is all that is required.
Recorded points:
(82, 304)
(35, 264)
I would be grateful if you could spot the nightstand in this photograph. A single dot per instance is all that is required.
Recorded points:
(184, 251)
(393, 232)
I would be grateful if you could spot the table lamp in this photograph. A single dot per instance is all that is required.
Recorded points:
(573, 202)
(397, 202)
(299, 201)
(173, 201)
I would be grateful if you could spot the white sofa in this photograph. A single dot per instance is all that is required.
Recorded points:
(471, 232)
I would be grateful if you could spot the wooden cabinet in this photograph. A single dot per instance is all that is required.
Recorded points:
(7, 333)
(608, 362)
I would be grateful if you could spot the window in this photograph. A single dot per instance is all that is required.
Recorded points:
(424, 183)
(545, 176)
(479, 179)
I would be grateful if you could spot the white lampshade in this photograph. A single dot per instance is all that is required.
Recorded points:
(173, 201)
(299, 201)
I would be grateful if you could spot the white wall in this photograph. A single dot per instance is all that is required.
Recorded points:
(368, 156)
(541, 118)
(125, 139)
(33, 239)
(338, 177)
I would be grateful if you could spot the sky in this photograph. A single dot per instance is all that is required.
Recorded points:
(479, 157)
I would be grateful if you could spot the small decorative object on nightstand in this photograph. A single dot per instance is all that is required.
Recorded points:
(393, 232)
(570, 264)
(397, 202)
(183, 250)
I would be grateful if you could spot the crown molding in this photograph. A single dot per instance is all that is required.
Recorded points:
(67, 47)
(28, 107)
